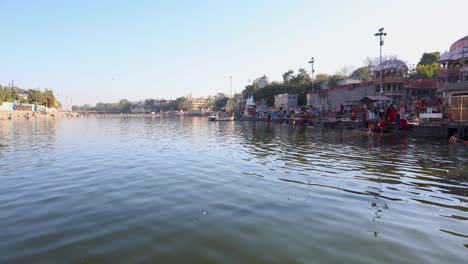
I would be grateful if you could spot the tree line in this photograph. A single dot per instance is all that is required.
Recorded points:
(29, 96)
(215, 103)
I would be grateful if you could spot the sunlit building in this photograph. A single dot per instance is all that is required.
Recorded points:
(453, 79)
(202, 104)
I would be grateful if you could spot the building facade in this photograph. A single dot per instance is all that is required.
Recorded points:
(285, 101)
(202, 104)
(453, 79)
(396, 85)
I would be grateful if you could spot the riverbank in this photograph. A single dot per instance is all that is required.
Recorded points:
(24, 115)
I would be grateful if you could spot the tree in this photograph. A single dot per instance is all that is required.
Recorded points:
(333, 80)
(124, 106)
(363, 73)
(346, 71)
(427, 66)
(321, 77)
(288, 75)
(219, 103)
(50, 100)
(149, 105)
(301, 77)
(429, 58)
(426, 71)
(179, 102)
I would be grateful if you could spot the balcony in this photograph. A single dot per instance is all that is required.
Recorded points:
(398, 79)
(423, 84)
(448, 72)
(449, 87)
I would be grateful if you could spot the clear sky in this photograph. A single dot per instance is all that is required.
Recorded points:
(102, 51)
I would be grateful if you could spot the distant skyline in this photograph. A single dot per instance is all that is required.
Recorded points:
(104, 51)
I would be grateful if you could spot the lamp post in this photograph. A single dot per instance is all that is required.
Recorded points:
(312, 60)
(230, 86)
(380, 34)
(11, 90)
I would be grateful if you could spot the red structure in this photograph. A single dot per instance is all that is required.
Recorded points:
(453, 77)
(453, 65)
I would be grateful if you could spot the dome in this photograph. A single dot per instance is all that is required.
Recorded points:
(393, 64)
(458, 51)
(263, 81)
(461, 43)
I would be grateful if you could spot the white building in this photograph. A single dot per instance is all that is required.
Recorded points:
(285, 101)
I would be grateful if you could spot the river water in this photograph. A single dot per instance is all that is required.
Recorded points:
(185, 190)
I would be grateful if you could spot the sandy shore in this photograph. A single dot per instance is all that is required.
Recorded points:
(21, 115)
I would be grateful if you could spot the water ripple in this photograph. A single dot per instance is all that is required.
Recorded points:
(123, 190)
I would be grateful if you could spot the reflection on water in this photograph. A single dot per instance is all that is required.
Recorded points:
(187, 190)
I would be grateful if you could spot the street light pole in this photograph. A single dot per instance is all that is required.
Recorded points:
(312, 76)
(11, 90)
(230, 86)
(380, 34)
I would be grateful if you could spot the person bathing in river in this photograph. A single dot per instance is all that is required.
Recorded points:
(381, 126)
(371, 127)
(454, 139)
(293, 120)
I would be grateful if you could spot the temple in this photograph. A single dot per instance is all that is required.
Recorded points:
(453, 79)
(394, 72)
(453, 65)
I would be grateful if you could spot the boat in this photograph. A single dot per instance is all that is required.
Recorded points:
(227, 114)
(217, 118)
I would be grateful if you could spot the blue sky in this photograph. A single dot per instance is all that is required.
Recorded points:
(103, 51)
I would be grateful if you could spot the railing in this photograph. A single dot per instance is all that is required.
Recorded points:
(448, 72)
(427, 83)
(453, 87)
(391, 79)
(351, 86)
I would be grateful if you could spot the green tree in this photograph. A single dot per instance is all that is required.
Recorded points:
(321, 77)
(427, 66)
(288, 75)
(429, 58)
(301, 77)
(219, 103)
(426, 71)
(333, 80)
(124, 106)
(363, 73)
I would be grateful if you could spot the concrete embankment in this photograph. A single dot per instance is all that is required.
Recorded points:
(122, 115)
